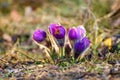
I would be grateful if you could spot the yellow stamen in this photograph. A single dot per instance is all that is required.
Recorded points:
(57, 31)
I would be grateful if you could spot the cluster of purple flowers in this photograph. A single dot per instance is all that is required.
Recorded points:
(75, 34)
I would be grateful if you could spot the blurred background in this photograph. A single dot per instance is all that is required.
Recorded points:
(19, 18)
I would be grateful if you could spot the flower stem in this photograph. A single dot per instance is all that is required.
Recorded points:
(62, 54)
(47, 52)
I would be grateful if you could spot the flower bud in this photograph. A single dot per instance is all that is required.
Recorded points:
(58, 31)
(39, 35)
(81, 46)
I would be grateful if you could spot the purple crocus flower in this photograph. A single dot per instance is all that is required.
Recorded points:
(81, 31)
(73, 33)
(76, 33)
(39, 35)
(58, 31)
(80, 46)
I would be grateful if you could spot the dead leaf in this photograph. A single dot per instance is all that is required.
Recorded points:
(116, 5)
(7, 37)
(4, 21)
(15, 16)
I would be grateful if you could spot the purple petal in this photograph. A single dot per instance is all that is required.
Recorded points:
(51, 27)
(73, 33)
(57, 31)
(81, 45)
(82, 32)
(39, 35)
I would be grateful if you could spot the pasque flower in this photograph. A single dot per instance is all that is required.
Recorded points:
(80, 46)
(81, 31)
(76, 33)
(77, 44)
(73, 33)
(39, 35)
(58, 31)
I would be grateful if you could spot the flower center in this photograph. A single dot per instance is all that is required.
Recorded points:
(57, 31)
